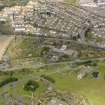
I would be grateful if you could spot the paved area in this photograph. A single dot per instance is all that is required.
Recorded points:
(86, 1)
(89, 3)
(4, 42)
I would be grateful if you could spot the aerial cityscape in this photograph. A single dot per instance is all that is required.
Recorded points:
(52, 52)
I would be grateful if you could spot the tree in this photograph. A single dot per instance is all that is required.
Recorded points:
(5, 28)
(48, 78)
(8, 80)
(31, 86)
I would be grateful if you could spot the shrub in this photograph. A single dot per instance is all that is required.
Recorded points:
(48, 78)
(85, 63)
(31, 86)
(7, 81)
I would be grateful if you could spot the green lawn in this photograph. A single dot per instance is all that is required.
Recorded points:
(20, 92)
(24, 76)
(93, 90)
(13, 2)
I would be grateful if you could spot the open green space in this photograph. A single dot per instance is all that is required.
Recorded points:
(23, 48)
(92, 89)
(70, 1)
(17, 89)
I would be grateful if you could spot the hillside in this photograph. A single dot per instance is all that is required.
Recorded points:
(5, 3)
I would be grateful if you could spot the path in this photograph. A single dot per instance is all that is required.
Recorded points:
(4, 42)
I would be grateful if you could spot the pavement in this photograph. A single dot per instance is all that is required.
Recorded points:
(85, 1)
(89, 3)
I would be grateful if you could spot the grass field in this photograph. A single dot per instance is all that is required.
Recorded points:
(70, 1)
(19, 90)
(92, 89)
(13, 2)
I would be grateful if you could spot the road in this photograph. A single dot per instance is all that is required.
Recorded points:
(55, 71)
(54, 64)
